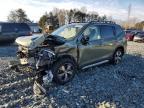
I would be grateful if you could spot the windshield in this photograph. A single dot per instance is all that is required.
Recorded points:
(68, 31)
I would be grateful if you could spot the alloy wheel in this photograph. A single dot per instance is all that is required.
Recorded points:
(118, 57)
(65, 72)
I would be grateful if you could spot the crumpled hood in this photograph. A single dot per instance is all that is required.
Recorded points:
(30, 41)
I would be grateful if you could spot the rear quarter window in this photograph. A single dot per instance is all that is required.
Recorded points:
(107, 31)
(118, 29)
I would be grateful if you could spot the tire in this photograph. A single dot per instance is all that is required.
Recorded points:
(117, 57)
(64, 70)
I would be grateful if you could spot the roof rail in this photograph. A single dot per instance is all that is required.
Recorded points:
(95, 21)
(104, 22)
(77, 22)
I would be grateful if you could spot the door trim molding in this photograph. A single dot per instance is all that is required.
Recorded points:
(95, 64)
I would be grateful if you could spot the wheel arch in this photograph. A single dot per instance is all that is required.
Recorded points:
(120, 47)
(59, 57)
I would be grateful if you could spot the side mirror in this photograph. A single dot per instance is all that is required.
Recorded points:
(84, 39)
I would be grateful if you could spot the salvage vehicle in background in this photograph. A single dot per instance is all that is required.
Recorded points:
(139, 37)
(10, 31)
(35, 28)
(75, 46)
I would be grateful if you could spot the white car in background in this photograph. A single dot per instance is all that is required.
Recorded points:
(139, 37)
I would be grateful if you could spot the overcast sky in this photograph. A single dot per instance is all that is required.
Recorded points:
(118, 9)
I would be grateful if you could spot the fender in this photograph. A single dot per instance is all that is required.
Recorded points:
(67, 56)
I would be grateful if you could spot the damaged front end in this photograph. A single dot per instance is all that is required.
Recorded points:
(36, 53)
(41, 63)
(28, 48)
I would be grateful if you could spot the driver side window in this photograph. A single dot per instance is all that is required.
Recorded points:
(92, 32)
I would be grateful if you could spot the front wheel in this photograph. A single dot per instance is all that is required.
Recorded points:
(117, 57)
(64, 70)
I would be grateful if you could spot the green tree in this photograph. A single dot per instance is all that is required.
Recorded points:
(70, 15)
(53, 20)
(80, 16)
(42, 21)
(18, 16)
(48, 19)
(103, 18)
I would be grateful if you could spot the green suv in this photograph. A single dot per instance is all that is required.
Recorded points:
(76, 46)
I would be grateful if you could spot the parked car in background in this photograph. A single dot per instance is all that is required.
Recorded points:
(35, 28)
(139, 37)
(10, 31)
(129, 36)
(127, 31)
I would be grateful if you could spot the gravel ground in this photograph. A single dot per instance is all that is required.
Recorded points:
(105, 86)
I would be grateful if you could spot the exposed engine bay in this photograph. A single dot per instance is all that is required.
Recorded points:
(30, 47)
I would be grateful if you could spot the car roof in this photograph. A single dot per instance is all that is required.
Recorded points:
(33, 24)
(10, 23)
(12, 26)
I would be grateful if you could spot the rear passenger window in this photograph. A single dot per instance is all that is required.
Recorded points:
(107, 31)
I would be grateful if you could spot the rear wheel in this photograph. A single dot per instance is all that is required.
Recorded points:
(64, 70)
(117, 57)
